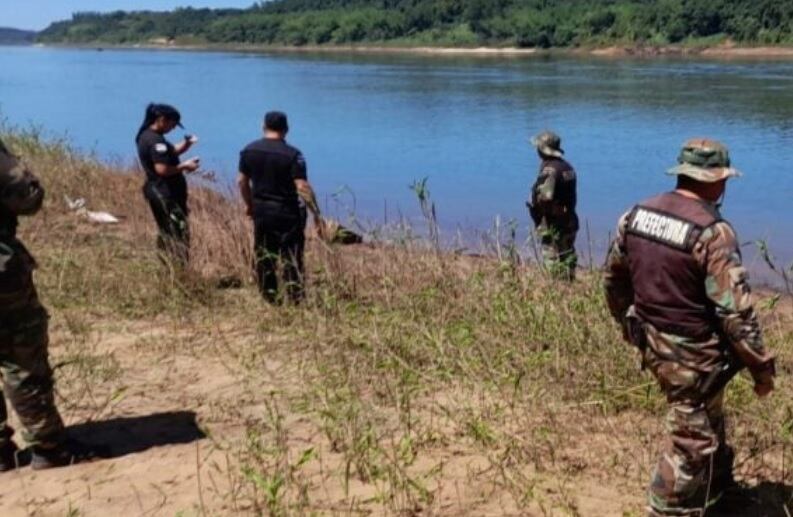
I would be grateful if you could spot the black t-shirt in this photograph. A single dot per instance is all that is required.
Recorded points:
(273, 166)
(153, 148)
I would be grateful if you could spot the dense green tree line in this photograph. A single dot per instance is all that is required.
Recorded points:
(525, 23)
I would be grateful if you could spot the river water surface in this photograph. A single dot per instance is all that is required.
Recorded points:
(372, 124)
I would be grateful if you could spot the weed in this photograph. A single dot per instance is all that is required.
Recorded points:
(407, 370)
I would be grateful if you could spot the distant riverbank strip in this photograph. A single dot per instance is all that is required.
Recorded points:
(715, 52)
(619, 27)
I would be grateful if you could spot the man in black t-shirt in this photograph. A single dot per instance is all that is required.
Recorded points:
(273, 183)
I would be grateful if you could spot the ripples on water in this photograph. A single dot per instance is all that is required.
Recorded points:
(376, 123)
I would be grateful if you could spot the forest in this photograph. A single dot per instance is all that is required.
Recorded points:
(462, 23)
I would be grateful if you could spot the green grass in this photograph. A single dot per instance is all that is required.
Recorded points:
(401, 353)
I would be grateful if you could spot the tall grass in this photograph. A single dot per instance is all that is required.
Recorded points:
(404, 359)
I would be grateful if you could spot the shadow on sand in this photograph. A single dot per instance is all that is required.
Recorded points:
(128, 435)
(764, 500)
(120, 436)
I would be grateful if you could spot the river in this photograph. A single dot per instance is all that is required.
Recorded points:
(372, 124)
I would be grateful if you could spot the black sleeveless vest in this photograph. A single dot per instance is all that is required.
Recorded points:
(668, 283)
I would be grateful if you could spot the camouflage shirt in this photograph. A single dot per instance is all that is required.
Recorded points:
(17, 291)
(555, 188)
(553, 197)
(718, 254)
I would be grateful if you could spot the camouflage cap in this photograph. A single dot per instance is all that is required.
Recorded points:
(704, 160)
(20, 191)
(548, 143)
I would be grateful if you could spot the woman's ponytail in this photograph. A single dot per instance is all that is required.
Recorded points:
(152, 112)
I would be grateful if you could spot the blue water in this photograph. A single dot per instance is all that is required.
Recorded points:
(376, 123)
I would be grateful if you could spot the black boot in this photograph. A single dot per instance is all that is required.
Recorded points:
(8, 457)
(65, 453)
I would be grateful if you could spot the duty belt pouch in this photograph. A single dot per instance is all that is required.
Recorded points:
(637, 334)
(717, 380)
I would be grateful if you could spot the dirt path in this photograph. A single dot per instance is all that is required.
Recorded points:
(179, 421)
(214, 421)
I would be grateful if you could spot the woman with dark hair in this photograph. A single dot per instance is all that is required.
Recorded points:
(166, 187)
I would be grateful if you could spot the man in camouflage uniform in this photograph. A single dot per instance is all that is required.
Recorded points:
(675, 282)
(552, 207)
(24, 365)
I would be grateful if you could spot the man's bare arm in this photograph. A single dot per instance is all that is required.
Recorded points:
(246, 193)
(307, 193)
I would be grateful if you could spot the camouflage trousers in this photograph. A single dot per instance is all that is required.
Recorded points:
(557, 243)
(695, 463)
(27, 380)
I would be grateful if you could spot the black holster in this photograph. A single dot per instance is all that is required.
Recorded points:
(718, 379)
(636, 334)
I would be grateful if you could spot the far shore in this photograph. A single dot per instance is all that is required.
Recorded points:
(722, 51)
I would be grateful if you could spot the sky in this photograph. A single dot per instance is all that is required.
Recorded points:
(38, 14)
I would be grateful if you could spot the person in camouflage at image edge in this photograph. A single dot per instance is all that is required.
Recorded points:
(24, 363)
(26, 372)
(552, 207)
(675, 282)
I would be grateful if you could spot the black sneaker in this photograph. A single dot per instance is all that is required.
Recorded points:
(64, 454)
(8, 457)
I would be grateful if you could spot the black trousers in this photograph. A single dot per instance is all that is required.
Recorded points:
(279, 239)
(170, 214)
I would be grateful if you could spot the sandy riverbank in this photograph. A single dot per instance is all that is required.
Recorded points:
(723, 51)
(409, 382)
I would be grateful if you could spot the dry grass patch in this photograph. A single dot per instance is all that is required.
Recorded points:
(410, 382)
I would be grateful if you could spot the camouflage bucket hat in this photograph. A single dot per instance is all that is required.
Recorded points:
(20, 191)
(548, 143)
(704, 160)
